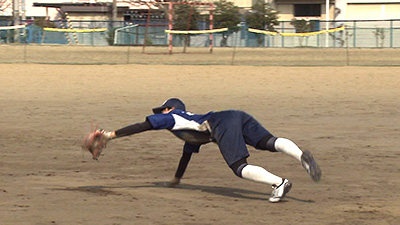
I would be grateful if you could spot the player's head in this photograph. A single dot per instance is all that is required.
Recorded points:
(172, 102)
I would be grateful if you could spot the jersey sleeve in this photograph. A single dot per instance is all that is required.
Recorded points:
(161, 121)
(133, 129)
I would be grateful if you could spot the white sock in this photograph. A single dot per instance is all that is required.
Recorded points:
(288, 147)
(259, 174)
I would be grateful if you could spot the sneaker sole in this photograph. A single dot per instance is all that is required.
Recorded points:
(314, 171)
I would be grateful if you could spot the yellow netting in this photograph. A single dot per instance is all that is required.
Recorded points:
(295, 34)
(195, 31)
(75, 30)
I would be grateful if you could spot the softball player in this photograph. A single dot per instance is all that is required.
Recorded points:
(231, 130)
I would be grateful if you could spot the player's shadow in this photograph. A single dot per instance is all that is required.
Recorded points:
(223, 191)
(227, 191)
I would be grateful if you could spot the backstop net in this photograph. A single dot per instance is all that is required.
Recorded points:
(182, 26)
(190, 25)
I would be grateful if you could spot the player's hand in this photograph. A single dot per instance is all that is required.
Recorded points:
(173, 182)
(108, 135)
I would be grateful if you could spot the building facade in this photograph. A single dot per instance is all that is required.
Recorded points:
(288, 9)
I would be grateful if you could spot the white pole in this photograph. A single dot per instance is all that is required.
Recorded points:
(327, 23)
(23, 8)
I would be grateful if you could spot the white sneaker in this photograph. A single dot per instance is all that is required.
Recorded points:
(280, 191)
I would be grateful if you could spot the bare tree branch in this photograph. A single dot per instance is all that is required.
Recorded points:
(5, 4)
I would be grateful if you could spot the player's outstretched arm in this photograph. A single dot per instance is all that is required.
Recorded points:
(125, 131)
(131, 129)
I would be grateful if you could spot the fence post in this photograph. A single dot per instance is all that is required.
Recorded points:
(391, 33)
(283, 38)
(354, 34)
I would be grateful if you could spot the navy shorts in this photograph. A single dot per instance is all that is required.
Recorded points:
(232, 130)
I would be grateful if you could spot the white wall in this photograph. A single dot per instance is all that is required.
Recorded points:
(372, 11)
(32, 11)
(350, 9)
(29, 9)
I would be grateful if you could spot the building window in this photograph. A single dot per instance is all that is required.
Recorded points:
(307, 10)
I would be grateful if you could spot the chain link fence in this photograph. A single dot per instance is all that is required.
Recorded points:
(357, 34)
(72, 54)
(373, 43)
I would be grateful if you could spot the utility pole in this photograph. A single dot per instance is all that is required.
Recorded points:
(327, 23)
(16, 12)
(114, 11)
(23, 8)
(16, 19)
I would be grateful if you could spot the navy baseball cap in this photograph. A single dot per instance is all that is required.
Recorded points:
(172, 102)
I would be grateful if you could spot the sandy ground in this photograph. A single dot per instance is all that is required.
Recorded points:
(348, 117)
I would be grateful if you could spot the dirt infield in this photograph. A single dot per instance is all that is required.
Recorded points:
(348, 117)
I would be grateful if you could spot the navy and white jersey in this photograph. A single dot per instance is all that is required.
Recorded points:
(192, 128)
(179, 120)
(231, 130)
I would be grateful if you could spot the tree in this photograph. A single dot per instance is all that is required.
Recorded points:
(226, 15)
(380, 37)
(185, 18)
(262, 16)
(5, 5)
(43, 22)
(303, 26)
